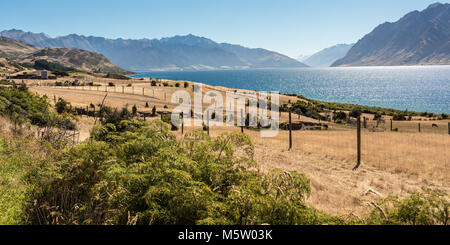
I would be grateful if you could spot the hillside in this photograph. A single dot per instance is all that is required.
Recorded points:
(76, 59)
(9, 66)
(12, 49)
(175, 53)
(419, 38)
(328, 56)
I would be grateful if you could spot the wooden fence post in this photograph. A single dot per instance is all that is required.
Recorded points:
(290, 131)
(161, 122)
(391, 124)
(182, 123)
(365, 122)
(358, 143)
(449, 128)
(207, 120)
(73, 140)
(242, 119)
(419, 127)
(143, 91)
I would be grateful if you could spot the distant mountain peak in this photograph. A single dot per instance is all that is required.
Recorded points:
(418, 38)
(176, 53)
(435, 5)
(327, 56)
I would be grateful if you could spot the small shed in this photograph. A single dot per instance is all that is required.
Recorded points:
(44, 74)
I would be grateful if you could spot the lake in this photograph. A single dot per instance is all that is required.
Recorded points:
(415, 88)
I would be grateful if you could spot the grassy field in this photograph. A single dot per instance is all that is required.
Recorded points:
(393, 163)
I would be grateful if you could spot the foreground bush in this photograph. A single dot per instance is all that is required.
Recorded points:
(431, 207)
(25, 166)
(138, 173)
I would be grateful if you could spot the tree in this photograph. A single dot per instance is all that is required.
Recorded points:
(61, 105)
(134, 110)
(355, 113)
(340, 115)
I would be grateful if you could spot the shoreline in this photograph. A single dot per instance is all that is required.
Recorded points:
(299, 96)
(394, 91)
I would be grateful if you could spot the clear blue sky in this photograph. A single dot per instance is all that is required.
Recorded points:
(292, 27)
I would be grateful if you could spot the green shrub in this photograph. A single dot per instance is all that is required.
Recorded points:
(55, 67)
(26, 165)
(139, 173)
(399, 117)
(355, 113)
(428, 208)
(21, 106)
(62, 106)
(341, 116)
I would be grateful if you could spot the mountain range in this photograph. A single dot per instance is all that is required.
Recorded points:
(418, 38)
(76, 59)
(175, 53)
(328, 56)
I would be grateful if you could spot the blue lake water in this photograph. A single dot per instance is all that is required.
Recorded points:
(417, 88)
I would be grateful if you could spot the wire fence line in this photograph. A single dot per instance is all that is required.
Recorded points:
(403, 146)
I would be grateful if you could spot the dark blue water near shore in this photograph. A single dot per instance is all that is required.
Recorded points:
(418, 88)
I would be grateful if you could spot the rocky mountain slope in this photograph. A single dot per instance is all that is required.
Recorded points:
(77, 59)
(419, 38)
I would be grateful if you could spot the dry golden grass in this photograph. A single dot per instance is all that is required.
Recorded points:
(424, 154)
(393, 163)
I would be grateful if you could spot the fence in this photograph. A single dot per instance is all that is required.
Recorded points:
(159, 94)
(404, 146)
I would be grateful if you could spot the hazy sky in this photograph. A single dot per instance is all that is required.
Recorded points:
(292, 27)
